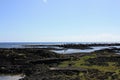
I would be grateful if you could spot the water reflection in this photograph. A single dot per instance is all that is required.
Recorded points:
(10, 77)
(68, 51)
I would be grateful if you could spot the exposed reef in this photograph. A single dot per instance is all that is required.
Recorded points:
(43, 64)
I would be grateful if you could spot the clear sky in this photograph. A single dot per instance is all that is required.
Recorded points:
(59, 20)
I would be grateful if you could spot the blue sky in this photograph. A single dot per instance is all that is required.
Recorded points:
(59, 20)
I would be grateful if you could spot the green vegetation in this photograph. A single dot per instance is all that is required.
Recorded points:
(105, 67)
(41, 64)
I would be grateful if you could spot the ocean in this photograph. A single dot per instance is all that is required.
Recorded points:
(20, 44)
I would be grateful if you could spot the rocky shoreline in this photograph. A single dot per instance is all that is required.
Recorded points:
(72, 46)
(38, 64)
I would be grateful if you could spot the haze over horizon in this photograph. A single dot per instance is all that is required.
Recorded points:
(59, 20)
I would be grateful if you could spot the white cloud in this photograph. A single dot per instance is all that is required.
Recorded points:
(45, 1)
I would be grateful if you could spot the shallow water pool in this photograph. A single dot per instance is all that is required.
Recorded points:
(10, 77)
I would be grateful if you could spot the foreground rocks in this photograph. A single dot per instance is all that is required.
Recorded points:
(34, 63)
(42, 64)
(16, 60)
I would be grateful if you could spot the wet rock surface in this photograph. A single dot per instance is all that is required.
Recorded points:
(36, 64)
(16, 60)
